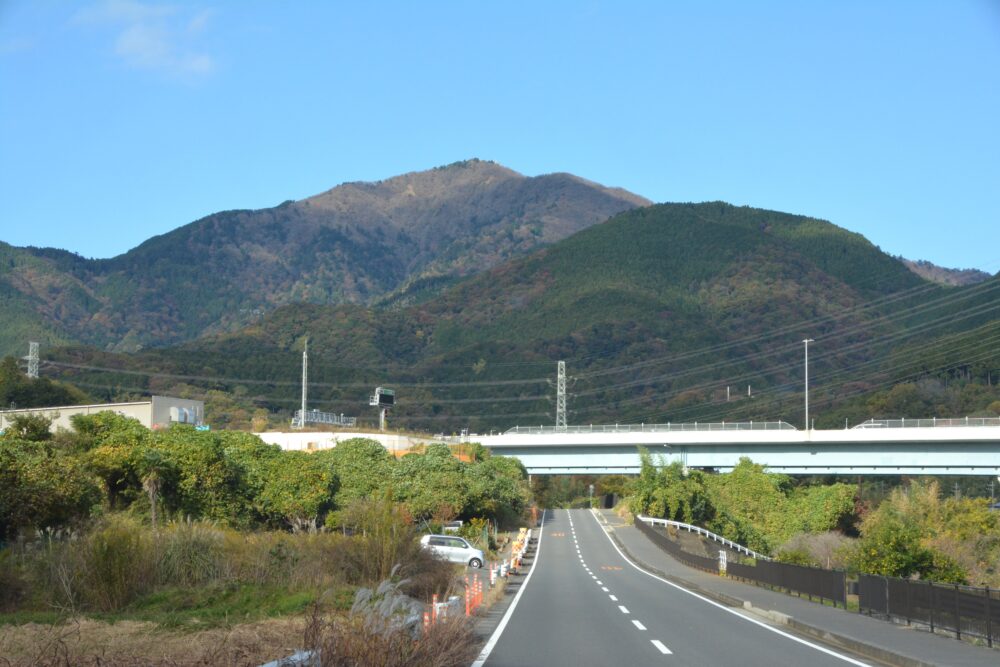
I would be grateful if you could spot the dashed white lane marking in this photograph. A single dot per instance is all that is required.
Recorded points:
(639, 625)
(593, 576)
(623, 608)
(613, 598)
(604, 588)
(717, 605)
(600, 583)
(663, 649)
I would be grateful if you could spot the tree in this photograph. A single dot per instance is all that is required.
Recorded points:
(432, 484)
(28, 427)
(41, 488)
(114, 448)
(362, 465)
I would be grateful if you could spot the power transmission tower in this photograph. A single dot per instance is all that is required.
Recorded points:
(32, 360)
(561, 396)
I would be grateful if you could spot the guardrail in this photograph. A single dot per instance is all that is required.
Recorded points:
(663, 541)
(656, 428)
(964, 610)
(930, 423)
(705, 533)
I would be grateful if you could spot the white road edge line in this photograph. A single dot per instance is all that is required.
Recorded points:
(663, 649)
(639, 625)
(495, 637)
(726, 609)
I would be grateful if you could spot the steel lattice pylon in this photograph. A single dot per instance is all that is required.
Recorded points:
(32, 360)
(561, 395)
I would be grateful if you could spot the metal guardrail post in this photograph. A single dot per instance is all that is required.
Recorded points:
(958, 616)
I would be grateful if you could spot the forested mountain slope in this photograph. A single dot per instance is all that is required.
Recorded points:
(656, 311)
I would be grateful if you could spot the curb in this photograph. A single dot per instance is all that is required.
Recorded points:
(777, 617)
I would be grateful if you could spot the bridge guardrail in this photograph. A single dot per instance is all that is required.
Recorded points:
(691, 528)
(974, 612)
(656, 428)
(933, 422)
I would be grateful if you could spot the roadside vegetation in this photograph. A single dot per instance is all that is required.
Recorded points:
(913, 531)
(195, 532)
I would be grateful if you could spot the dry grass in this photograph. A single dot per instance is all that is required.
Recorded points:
(349, 643)
(127, 643)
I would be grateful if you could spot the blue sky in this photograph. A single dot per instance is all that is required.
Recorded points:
(120, 119)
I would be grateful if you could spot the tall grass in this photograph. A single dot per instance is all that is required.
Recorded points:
(119, 560)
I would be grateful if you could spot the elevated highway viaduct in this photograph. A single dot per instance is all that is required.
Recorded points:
(939, 447)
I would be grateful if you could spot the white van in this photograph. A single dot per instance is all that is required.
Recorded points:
(454, 549)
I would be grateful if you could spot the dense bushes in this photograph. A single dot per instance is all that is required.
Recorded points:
(112, 463)
(748, 505)
(912, 533)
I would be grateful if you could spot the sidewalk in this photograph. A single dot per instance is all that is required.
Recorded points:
(876, 639)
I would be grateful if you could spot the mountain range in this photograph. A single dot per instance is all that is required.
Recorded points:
(357, 243)
(657, 311)
(462, 286)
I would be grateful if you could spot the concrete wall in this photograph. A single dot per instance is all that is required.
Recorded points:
(310, 441)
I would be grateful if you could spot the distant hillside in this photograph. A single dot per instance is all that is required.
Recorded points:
(656, 312)
(939, 274)
(399, 240)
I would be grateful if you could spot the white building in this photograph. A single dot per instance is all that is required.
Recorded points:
(155, 413)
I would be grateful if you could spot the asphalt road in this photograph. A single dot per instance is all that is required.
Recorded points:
(585, 604)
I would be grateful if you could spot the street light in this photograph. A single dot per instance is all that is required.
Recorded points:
(806, 344)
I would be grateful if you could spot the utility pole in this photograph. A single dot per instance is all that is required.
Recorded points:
(305, 382)
(32, 360)
(561, 396)
(806, 343)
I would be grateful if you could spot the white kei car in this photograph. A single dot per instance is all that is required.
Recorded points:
(454, 549)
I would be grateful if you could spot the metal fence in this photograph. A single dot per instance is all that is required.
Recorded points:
(656, 428)
(662, 540)
(964, 610)
(809, 581)
(930, 423)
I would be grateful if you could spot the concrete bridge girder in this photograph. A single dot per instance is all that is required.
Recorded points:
(910, 451)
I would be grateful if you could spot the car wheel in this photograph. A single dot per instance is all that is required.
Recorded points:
(476, 563)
